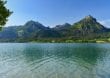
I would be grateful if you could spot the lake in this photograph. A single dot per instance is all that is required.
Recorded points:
(54, 60)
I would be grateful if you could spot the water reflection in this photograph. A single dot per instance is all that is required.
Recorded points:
(89, 53)
(54, 60)
(32, 53)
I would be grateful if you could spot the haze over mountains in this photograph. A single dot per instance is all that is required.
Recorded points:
(87, 28)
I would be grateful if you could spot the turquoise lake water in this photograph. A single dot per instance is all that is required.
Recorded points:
(54, 60)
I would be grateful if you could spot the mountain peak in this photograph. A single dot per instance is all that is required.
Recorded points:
(32, 22)
(89, 16)
(88, 19)
(89, 24)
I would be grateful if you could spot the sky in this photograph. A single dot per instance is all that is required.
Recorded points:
(54, 12)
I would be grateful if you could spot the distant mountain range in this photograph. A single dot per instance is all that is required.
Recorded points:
(86, 29)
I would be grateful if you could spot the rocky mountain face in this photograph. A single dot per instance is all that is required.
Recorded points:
(87, 28)
(89, 25)
(34, 29)
(31, 30)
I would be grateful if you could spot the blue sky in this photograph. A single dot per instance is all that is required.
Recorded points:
(53, 12)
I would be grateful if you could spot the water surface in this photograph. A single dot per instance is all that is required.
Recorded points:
(54, 60)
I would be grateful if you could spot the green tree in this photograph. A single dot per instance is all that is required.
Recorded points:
(4, 13)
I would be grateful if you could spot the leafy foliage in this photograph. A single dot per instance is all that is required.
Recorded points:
(4, 13)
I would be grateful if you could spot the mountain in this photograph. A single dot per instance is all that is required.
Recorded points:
(63, 29)
(30, 30)
(89, 25)
(86, 29)
(34, 29)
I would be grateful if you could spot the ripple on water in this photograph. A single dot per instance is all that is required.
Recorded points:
(54, 60)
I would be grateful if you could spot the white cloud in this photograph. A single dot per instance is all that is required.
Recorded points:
(106, 23)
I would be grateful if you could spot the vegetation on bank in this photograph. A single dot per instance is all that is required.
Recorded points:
(105, 40)
(73, 41)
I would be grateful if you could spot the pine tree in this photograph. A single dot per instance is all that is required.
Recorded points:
(4, 13)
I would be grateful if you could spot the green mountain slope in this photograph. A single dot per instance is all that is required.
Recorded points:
(86, 29)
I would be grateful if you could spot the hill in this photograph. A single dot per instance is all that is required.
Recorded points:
(86, 29)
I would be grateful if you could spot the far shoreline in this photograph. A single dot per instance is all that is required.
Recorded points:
(74, 41)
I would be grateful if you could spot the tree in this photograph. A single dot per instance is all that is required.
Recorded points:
(4, 13)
